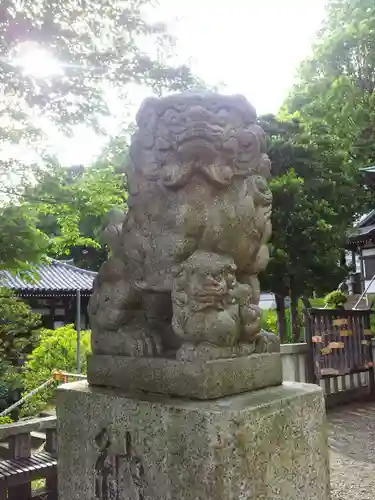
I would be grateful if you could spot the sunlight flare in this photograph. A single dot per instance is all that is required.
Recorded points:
(37, 62)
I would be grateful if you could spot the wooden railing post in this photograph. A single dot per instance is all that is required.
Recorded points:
(51, 447)
(367, 326)
(310, 371)
(21, 467)
(20, 447)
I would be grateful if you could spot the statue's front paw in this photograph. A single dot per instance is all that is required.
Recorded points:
(250, 331)
(267, 342)
(139, 343)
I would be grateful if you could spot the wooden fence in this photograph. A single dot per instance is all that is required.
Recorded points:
(296, 368)
(25, 465)
(340, 353)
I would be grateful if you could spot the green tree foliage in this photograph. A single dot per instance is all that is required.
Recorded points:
(99, 44)
(336, 84)
(63, 214)
(5, 367)
(71, 205)
(270, 322)
(313, 208)
(5, 420)
(56, 350)
(94, 48)
(334, 102)
(18, 328)
(310, 211)
(21, 241)
(18, 335)
(10, 387)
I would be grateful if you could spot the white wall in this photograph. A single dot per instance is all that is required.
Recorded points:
(372, 286)
(294, 360)
(365, 252)
(368, 251)
(267, 301)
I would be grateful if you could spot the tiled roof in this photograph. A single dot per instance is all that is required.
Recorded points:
(370, 169)
(369, 176)
(56, 276)
(362, 231)
(366, 220)
(360, 236)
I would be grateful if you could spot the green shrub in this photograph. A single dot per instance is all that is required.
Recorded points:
(56, 350)
(318, 303)
(335, 299)
(10, 388)
(5, 420)
(18, 335)
(269, 320)
(18, 327)
(269, 323)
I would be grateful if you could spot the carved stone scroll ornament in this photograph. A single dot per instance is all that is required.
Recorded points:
(183, 279)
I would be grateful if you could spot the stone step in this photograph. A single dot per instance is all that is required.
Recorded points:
(364, 304)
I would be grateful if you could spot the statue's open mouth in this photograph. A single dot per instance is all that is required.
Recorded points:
(202, 132)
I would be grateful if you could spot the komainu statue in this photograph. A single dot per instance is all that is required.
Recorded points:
(182, 278)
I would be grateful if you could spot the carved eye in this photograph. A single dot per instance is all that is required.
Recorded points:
(181, 107)
(223, 113)
(245, 138)
(171, 117)
(261, 183)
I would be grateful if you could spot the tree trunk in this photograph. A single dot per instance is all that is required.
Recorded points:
(305, 302)
(296, 327)
(280, 309)
(343, 259)
(306, 319)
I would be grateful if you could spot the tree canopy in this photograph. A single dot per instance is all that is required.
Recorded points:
(21, 241)
(71, 205)
(93, 46)
(317, 143)
(18, 327)
(309, 232)
(336, 84)
(60, 62)
(18, 334)
(333, 102)
(317, 197)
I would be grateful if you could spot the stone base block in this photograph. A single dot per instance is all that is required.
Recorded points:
(265, 445)
(193, 379)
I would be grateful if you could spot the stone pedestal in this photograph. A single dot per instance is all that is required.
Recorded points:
(193, 380)
(265, 445)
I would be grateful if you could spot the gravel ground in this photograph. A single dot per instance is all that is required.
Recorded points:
(352, 444)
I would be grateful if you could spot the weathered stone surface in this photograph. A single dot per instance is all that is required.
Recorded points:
(194, 379)
(209, 305)
(265, 445)
(196, 232)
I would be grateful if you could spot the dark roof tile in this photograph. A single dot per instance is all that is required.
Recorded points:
(56, 276)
